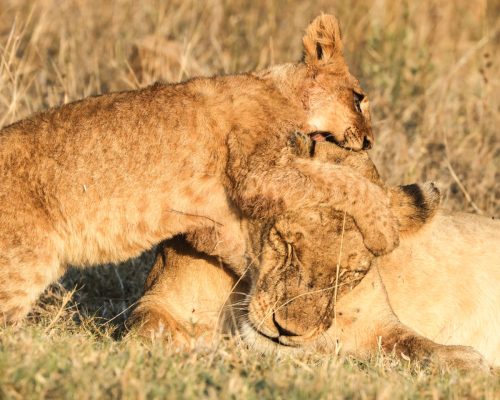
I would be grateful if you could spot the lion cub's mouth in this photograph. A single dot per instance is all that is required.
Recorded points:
(257, 338)
(279, 340)
(322, 137)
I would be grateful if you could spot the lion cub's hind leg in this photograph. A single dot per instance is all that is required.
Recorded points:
(28, 264)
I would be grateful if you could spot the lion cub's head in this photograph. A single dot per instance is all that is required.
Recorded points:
(308, 259)
(336, 106)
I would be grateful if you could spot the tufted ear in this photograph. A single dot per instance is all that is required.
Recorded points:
(414, 205)
(322, 41)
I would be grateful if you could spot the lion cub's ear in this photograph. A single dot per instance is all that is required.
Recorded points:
(414, 205)
(322, 41)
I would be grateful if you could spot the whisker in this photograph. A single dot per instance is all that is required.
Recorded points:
(237, 304)
(250, 264)
(338, 269)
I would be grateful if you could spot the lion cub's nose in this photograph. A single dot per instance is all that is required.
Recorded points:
(367, 143)
(282, 331)
(295, 323)
(294, 328)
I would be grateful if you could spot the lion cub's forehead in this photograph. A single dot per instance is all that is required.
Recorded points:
(340, 79)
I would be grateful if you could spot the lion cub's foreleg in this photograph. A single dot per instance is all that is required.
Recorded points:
(267, 179)
(29, 261)
(189, 297)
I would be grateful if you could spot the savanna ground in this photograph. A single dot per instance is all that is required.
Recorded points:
(431, 69)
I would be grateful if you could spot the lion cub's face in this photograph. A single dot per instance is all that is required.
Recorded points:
(303, 266)
(337, 104)
(311, 257)
(337, 109)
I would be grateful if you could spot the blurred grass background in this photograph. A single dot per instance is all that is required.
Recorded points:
(430, 67)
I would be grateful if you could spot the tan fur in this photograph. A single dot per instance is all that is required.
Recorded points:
(105, 178)
(461, 254)
(434, 295)
(187, 311)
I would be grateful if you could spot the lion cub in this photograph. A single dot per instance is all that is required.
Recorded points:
(310, 283)
(102, 179)
(318, 245)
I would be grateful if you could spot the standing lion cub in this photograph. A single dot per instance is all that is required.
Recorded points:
(102, 179)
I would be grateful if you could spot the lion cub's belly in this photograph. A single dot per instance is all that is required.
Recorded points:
(114, 230)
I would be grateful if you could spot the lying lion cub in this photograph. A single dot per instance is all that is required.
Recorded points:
(103, 179)
(428, 299)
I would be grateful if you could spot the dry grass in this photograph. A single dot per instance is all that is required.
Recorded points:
(431, 69)
(87, 364)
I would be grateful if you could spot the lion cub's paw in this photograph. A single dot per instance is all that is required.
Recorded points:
(383, 236)
(300, 144)
(378, 225)
(460, 357)
(411, 207)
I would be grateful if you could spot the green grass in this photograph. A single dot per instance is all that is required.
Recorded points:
(431, 69)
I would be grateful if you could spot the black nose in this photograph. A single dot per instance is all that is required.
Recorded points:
(283, 331)
(367, 143)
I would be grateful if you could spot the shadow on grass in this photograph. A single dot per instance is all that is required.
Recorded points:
(104, 294)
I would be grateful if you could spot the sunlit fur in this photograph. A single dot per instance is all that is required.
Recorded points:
(430, 298)
(103, 179)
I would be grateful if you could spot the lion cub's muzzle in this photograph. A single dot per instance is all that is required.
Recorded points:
(295, 319)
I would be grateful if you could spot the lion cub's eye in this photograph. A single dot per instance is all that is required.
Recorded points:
(358, 98)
